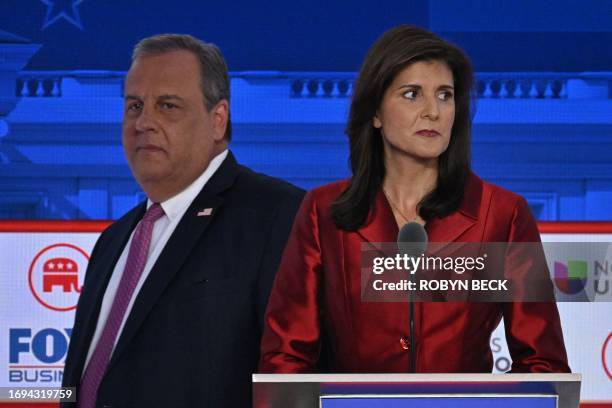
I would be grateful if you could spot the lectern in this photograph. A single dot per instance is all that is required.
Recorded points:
(416, 390)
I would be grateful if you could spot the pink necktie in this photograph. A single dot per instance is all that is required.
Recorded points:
(137, 258)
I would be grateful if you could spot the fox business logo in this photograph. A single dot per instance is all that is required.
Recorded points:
(37, 357)
(55, 276)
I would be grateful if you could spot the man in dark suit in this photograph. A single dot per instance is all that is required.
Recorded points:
(171, 311)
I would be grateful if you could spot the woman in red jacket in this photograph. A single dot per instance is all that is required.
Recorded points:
(409, 136)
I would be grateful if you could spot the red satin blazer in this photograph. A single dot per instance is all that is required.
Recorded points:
(316, 297)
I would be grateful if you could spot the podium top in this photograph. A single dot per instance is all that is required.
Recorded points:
(414, 378)
(305, 390)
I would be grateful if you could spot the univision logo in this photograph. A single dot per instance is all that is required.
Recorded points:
(571, 278)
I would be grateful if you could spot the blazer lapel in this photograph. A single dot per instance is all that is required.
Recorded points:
(381, 225)
(99, 274)
(453, 226)
(179, 246)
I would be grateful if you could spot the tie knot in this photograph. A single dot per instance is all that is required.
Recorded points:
(153, 213)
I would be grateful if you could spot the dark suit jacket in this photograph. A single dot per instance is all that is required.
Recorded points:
(316, 297)
(192, 337)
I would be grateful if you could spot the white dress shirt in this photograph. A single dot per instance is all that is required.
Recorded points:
(174, 209)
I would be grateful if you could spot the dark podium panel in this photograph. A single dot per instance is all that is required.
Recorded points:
(416, 390)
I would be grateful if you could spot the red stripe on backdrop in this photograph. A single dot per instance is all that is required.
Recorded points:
(52, 226)
(576, 227)
(563, 227)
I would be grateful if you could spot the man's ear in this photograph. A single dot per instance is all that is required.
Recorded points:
(220, 115)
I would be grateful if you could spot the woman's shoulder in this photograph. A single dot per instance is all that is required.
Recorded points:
(328, 193)
(499, 202)
(513, 220)
(500, 193)
(486, 192)
(318, 201)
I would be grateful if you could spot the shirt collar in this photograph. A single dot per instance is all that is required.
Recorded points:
(176, 206)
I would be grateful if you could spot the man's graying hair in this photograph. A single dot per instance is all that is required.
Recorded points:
(214, 79)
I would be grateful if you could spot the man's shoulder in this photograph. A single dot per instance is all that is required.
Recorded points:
(259, 186)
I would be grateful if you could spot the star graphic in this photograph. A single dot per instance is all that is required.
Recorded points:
(66, 9)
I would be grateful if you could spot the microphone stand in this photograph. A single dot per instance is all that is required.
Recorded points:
(415, 237)
(412, 336)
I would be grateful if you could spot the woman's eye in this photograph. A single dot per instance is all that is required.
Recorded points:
(410, 94)
(445, 95)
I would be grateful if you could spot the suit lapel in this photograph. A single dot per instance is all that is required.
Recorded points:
(98, 276)
(177, 249)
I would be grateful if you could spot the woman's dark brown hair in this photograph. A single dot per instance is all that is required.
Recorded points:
(392, 52)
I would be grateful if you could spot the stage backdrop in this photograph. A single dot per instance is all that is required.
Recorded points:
(44, 263)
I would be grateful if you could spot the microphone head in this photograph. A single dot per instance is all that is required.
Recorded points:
(412, 239)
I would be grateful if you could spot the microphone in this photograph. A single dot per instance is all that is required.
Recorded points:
(412, 241)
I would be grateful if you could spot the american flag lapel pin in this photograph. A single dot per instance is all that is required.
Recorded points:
(205, 212)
